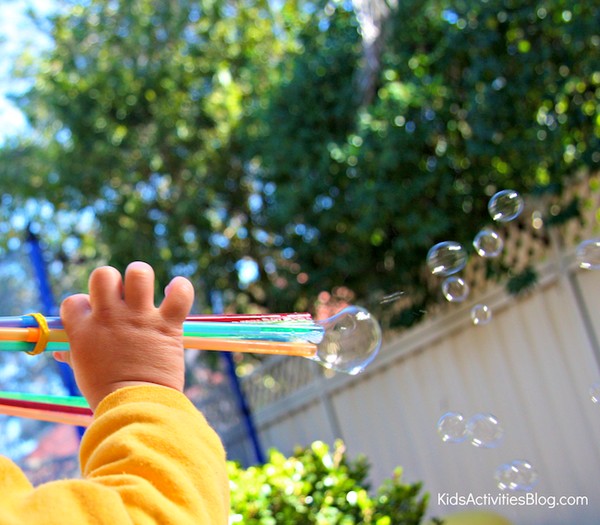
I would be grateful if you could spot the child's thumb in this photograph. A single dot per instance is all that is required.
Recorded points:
(73, 309)
(63, 357)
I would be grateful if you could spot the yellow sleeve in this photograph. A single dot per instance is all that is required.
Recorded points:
(148, 458)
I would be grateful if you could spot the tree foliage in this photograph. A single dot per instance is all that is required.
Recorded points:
(207, 134)
(138, 106)
(473, 98)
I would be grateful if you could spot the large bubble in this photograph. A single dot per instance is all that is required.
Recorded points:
(484, 431)
(488, 243)
(452, 427)
(518, 475)
(455, 289)
(505, 206)
(352, 340)
(588, 254)
(446, 258)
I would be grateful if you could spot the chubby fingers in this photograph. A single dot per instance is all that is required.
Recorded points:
(179, 297)
(63, 357)
(139, 286)
(72, 311)
(74, 308)
(106, 288)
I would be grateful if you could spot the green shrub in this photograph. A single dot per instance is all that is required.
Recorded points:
(320, 485)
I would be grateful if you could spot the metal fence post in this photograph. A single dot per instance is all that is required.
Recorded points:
(49, 307)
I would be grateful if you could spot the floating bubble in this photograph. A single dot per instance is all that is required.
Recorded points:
(484, 431)
(516, 475)
(505, 206)
(481, 314)
(452, 427)
(588, 254)
(446, 258)
(351, 341)
(488, 243)
(595, 393)
(455, 289)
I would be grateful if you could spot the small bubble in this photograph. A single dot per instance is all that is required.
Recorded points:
(488, 243)
(452, 427)
(588, 254)
(516, 475)
(455, 289)
(481, 314)
(595, 393)
(505, 206)
(484, 431)
(446, 258)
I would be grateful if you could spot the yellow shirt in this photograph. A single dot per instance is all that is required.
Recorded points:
(149, 457)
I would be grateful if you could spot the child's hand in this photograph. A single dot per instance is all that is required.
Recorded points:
(119, 338)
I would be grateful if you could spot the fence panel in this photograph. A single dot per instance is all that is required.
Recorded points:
(531, 367)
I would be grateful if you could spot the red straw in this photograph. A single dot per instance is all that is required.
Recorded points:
(250, 318)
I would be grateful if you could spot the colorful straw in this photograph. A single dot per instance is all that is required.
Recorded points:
(285, 334)
(347, 342)
(72, 401)
(54, 409)
(79, 420)
(252, 318)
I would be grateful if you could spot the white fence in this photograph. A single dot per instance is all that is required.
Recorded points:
(531, 366)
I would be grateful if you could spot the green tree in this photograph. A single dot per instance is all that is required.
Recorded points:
(472, 98)
(202, 134)
(138, 106)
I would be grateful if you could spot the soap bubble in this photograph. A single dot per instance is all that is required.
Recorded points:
(481, 314)
(505, 206)
(595, 393)
(588, 254)
(452, 427)
(455, 289)
(516, 475)
(488, 243)
(352, 340)
(484, 431)
(446, 258)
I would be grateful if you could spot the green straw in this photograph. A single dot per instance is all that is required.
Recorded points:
(290, 332)
(74, 401)
(22, 346)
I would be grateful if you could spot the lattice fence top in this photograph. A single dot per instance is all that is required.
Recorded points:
(278, 378)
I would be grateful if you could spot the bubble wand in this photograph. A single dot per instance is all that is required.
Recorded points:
(346, 342)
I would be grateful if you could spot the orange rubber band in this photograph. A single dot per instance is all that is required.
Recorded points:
(44, 334)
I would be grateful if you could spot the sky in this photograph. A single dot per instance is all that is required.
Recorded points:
(16, 33)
